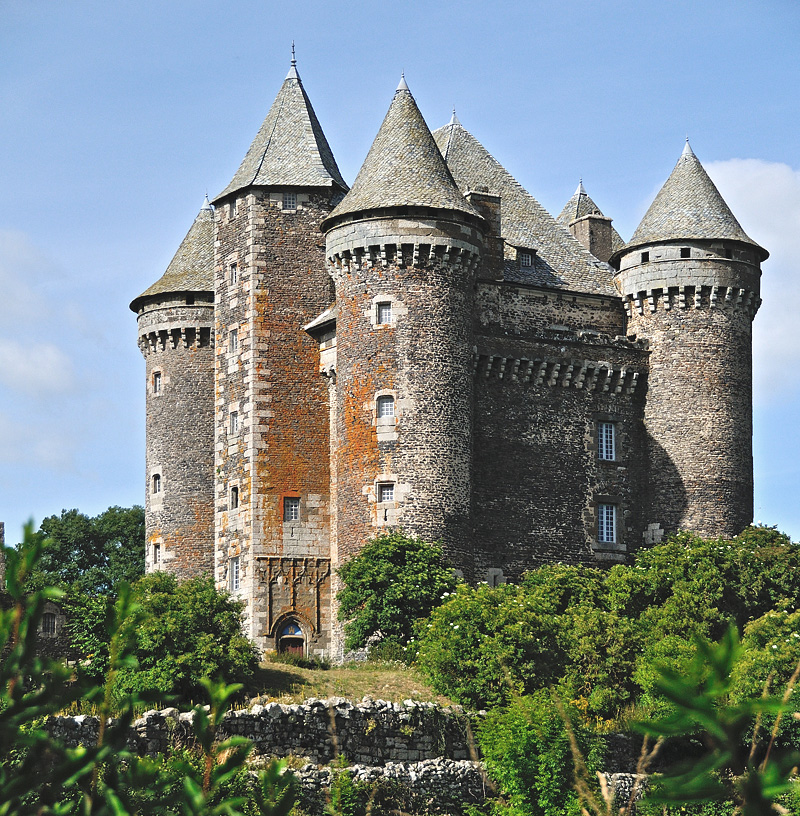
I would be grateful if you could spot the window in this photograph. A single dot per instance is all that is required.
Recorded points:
(234, 420)
(233, 341)
(233, 574)
(290, 201)
(385, 406)
(234, 498)
(686, 252)
(156, 554)
(234, 208)
(384, 312)
(233, 274)
(386, 492)
(190, 300)
(156, 382)
(291, 508)
(48, 623)
(645, 257)
(605, 441)
(606, 523)
(525, 259)
(156, 483)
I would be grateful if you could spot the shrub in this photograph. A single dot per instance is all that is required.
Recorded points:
(393, 581)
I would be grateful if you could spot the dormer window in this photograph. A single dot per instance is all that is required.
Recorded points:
(525, 259)
(290, 201)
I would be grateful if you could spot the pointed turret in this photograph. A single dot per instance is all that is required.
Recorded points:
(403, 168)
(290, 149)
(689, 207)
(585, 220)
(192, 267)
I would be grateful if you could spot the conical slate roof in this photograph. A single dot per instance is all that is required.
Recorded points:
(689, 206)
(403, 168)
(192, 267)
(561, 261)
(290, 149)
(581, 205)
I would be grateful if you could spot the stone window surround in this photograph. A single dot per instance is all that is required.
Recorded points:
(156, 486)
(614, 500)
(233, 339)
(597, 418)
(157, 382)
(233, 408)
(233, 273)
(289, 202)
(234, 573)
(157, 552)
(399, 310)
(388, 419)
(286, 506)
(234, 498)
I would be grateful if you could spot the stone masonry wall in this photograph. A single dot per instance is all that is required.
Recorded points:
(272, 412)
(425, 267)
(177, 340)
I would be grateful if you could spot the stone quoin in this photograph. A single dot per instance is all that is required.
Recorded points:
(431, 350)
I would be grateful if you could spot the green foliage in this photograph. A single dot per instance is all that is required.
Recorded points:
(93, 555)
(188, 631)
(40, 776)
(394, 581)
(527, 751)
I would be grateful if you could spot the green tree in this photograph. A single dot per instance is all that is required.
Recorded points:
(189, 631)
(92, 554)
(394, 581)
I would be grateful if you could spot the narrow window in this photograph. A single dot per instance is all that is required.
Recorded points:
(525, 259)
(156, 382)
(645, 257)
(384, 314)
(48, 623)
(386, 492)
(290, 201)
(686, 252)
(156, 553)
(156, 483)
(233, 574)
(385, 406)
(606, 523)
(233, 341)
(234, 498)
(605, 441)
(234, 208)
(234, 419)
(233, 274)
(291, 508)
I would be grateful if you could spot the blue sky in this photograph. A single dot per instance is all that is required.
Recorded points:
(116, 118)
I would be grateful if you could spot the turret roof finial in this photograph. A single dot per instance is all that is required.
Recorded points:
(687, 149)
(581, 190)
(293, 69)
(454, 118)
(206, 203)
(402, 86)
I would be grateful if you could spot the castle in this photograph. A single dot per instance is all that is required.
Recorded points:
(431, 350)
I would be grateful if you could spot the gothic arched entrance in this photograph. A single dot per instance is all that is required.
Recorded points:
(290, 639)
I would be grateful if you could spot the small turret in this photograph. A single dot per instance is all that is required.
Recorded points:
(584, 219)
(176, 337)
(690, 278)
(403, 247)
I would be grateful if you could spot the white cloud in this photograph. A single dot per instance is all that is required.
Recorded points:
(765, 198)
(37, 369)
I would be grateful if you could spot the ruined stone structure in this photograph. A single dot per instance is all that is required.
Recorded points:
(432, 350)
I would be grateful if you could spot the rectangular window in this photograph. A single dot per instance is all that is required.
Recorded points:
(48, 623)
(156, 483)
(234, 422)
(606, 523)
(234, 205)
(686, 252)
(386, 492)
(156, 553)
(385, 406)
(384, 312)
(291, 508)
(234, 498)
(233, 574)
(156, 382)
(290, 201)
(605, 441)
(525, 259)
(233, 341)
(645, 257)
(233, 273)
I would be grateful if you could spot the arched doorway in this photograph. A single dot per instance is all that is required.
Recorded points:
(290, 639)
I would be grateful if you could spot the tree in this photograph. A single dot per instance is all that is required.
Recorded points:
(188, 631)
(92, 555)
(394, 581)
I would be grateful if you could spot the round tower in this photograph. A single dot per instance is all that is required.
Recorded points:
(176, 319)
(403, 247)
(690, 279)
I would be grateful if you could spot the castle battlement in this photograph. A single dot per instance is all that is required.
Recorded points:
(692, 297)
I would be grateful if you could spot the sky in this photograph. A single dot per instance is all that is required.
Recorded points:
(117, 117)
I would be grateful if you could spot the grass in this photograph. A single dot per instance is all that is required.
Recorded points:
(381, 681)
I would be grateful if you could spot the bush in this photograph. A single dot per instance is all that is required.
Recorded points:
(394, 581)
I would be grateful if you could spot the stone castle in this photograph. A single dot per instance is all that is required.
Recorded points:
(431, 350)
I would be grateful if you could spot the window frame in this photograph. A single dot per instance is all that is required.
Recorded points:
(156, 552)
(233, 423)
(156, 486)
(385, 401)
(289, 202)
(233, 494)
(49, 623)
(383, 309)
(291, 508)
(233, 341)
(234, 574)
(233, 273)
(157, 382)
(606, 440)
(525, 260)
(383, 488)
(607, 523)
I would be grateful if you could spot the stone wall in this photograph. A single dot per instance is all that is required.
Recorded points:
(270, 281)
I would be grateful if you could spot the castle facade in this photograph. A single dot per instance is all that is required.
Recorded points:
(431, 350)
